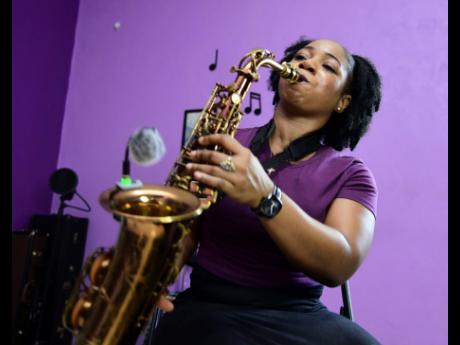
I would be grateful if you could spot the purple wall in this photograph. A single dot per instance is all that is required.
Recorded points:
(155, 66)
(43, 39)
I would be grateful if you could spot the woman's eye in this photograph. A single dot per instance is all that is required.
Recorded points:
(299, 57)
(329, 68)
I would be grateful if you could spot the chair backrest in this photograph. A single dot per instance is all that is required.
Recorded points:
(346, 310)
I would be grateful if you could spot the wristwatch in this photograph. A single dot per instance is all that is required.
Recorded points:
(271, 205)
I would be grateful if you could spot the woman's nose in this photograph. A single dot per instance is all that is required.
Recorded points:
(308, 66)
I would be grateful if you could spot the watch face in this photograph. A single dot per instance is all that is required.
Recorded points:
(270, 207)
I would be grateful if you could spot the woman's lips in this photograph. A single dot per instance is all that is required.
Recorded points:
(303, 78)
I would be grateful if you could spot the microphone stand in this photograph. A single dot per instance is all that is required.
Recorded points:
(55, 240)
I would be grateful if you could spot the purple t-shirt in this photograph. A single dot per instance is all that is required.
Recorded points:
(236, 247)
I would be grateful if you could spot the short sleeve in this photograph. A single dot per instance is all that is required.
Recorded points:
(360, 186)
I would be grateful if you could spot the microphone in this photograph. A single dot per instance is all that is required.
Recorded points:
(146, 147)
(64, 182)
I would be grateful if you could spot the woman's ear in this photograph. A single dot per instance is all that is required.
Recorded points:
(343, 102)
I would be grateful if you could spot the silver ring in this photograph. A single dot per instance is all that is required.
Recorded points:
(227, 164)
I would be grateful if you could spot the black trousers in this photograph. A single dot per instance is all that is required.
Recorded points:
(215, 312)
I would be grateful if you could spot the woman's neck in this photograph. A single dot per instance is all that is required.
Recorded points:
(289, 128)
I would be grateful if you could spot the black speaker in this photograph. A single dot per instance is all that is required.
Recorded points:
(46, 263)
(29, 249)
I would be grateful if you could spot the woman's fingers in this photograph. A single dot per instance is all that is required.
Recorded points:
(212, 170)
(165, 304)
(213, 181)
(208, 156)
(228, 142)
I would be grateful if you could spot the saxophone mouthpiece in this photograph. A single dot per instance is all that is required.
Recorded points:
(301, 78)
(295, 77)
(290, 73)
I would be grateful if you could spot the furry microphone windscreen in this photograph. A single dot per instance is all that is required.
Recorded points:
(146, 146)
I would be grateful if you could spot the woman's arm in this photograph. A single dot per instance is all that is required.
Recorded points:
(329, 253)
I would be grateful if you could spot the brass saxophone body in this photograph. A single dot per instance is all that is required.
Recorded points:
(118, 288)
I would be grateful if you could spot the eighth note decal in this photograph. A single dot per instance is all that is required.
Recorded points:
(257, 97)
(213, 66)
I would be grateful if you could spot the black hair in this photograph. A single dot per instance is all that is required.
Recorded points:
(346, 129)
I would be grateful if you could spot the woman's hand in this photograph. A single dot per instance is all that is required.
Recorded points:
(165, 304)
(246, 183)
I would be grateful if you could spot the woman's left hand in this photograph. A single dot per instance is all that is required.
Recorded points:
(246, 183)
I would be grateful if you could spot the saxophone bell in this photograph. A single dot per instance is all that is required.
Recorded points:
(119, 287)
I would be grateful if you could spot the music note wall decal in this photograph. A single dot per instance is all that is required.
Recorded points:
(258, 110)
(213, 66)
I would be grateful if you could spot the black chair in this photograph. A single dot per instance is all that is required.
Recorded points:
(346, 309)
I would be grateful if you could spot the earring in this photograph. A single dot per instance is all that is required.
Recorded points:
(338, 109)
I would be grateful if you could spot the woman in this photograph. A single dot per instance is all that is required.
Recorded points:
(281, 233)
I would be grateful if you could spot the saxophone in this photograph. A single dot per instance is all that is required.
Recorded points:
(118, 288)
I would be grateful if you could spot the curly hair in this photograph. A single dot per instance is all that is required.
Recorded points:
(346, 129)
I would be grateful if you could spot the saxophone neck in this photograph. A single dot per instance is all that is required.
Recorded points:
(256, 58)
(284, 69)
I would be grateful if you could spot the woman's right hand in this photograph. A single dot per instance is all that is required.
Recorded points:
(165, 304)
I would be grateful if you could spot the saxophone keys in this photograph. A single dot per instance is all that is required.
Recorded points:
(236, 98)
(79, 313)
(100, 268)
(194, 186)
(205, 203)
(208, 191)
